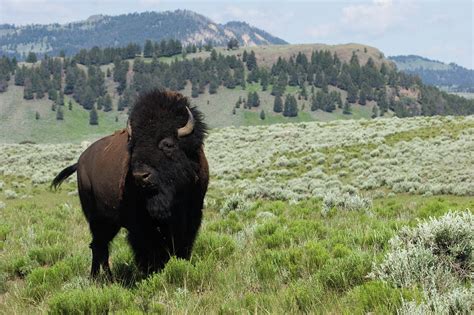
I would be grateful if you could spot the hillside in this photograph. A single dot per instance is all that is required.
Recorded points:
(349, 81)
(342, 217)
(115, 31)
(451, 76)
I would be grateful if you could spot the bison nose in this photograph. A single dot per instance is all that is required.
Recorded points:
(142, 176)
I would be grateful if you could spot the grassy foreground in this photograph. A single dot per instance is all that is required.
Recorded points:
(294, 222)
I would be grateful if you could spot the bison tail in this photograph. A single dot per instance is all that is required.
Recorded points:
(65, 173)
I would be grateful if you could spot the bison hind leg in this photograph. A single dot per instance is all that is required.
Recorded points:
(103, 231)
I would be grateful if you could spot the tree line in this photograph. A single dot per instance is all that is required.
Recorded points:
(319, 79)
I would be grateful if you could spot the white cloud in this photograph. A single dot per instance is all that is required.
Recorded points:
(366, 19)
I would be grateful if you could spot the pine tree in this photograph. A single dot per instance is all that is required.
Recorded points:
(70, 105)
(93, 117)
(107, 103)
(264, 78)
(244, 56)
(363, 95)
(28, 90)
(59, 113)
(148, 49)
(213, 85)
(233, 44)
(120, 104)
(278, 104)
(262, 114)
(375, 111)
(291, 106)
(347, 108)
(352, 93)
(61, 98)
(99, 103)
(255, 100)
(251, 61)
(31, 57)
(37, 115)
(52, 94)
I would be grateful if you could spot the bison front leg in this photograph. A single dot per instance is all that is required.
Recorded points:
(102, 233)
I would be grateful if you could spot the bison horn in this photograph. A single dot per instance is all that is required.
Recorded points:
(129, 128)
(188, 128)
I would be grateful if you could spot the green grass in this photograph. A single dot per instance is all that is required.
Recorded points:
(18, 122)
(273, 257)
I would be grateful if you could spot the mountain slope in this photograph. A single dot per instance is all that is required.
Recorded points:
(114, 31)
(450, 76)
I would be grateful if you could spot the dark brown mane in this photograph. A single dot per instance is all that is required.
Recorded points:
(159, 113)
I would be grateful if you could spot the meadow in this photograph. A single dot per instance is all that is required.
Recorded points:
(340, 217)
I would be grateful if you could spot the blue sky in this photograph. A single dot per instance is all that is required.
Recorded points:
(436, 29)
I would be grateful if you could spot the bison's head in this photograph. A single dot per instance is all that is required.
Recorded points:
(166, 135)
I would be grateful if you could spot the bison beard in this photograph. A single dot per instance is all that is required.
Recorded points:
(159, 202)
(150, 178)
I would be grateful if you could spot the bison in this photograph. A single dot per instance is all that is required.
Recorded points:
(150, 178)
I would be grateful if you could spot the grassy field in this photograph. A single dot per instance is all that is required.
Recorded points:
(317, 217)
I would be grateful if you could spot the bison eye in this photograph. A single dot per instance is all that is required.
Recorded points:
(167, 145)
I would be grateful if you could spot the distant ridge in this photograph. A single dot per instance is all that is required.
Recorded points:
(450, 76)
(113, 31)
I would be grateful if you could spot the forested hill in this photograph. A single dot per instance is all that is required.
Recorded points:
(59, 97)
(115, 31)
(448, 76)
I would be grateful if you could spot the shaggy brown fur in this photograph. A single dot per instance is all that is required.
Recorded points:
(152, 183)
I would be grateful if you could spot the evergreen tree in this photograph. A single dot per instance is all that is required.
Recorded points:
(347, 108)
(28, 91)
(244, 56)
(70, 105)
(233, 44)
(262, 114)
(52, 94)
(99, 103)
(251, 61)
(61, 98)
(59, 113)
(264, 79)
(291, 106)
(382, 101)
(304, 93)
(37, 115)
(256, 99)
(375, 111)
(239, 101)
(363, 95)
(213, 85)
(40, 93)
(148, 49)
(31, 57)
(278, 104)
(107, 103)
(352, 93)
(120, 104)
(93, 117)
